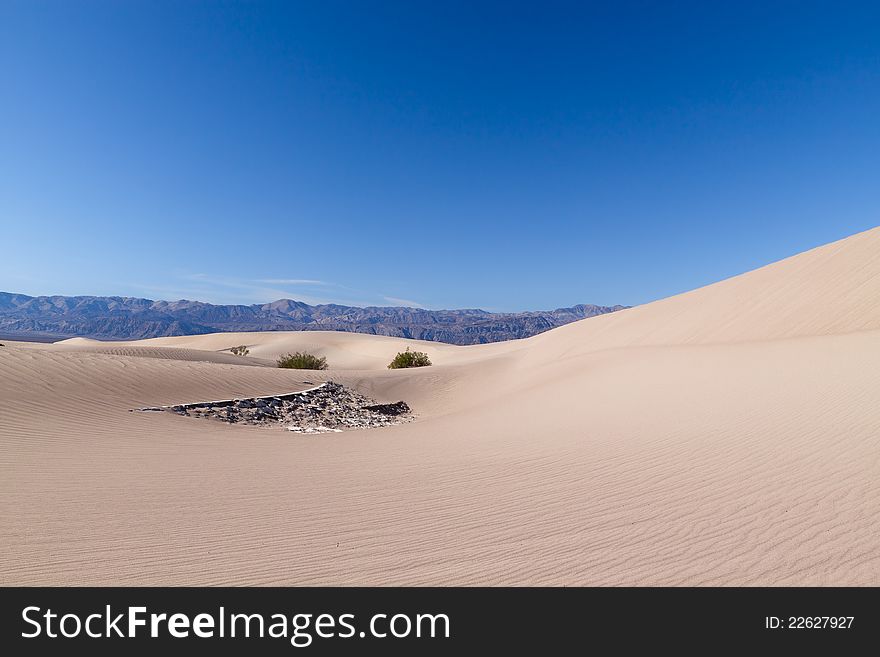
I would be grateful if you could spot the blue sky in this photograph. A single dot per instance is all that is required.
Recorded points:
(498, 155)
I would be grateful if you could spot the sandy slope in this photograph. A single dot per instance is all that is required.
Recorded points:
(730, 435)
(343, 350)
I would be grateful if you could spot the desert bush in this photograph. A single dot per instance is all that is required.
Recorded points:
(409, 358)
(302, 361)
(240, 351)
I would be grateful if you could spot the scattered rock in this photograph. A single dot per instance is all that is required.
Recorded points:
(318, 429)
(395, 409)
(330, 407)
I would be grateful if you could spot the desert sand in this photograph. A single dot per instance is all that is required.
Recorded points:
(726, 436)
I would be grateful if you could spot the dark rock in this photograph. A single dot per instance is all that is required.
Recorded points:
(397, 408)
(329, 407)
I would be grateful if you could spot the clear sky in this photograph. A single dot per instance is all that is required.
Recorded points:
(498, 155)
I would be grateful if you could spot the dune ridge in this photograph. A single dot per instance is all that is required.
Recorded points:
(725, 436)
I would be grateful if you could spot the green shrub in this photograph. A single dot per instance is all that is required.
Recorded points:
(409, 358)
(303, 361)
(240, 351)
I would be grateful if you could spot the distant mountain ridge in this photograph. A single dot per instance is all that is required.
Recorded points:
(129, 318)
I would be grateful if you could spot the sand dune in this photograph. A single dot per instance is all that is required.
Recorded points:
(826, 291)
(724, 436)
(342, 350)
(167, 353)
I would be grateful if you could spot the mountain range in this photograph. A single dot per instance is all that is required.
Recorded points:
(129, 318)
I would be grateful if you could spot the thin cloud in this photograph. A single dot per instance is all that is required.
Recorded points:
(291, 281)
(408, 303)
(229, 290)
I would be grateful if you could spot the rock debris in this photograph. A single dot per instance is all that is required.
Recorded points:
(329, 407)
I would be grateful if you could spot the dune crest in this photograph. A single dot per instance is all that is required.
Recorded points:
(832, 289)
